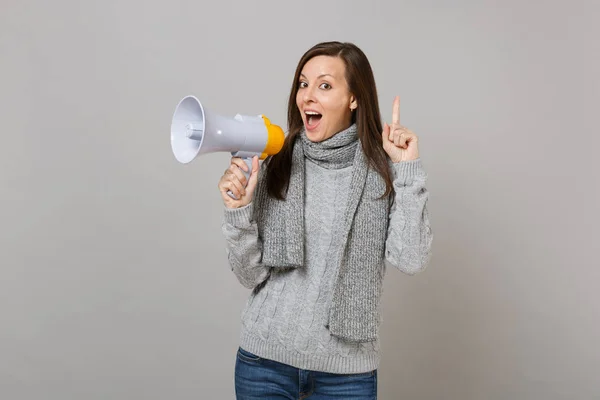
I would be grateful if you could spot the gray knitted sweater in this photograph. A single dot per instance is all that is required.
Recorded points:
(285, 317)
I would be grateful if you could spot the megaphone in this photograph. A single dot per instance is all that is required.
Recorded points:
(196, 131)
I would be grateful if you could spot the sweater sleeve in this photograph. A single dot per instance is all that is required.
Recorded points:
(408, 244)
(243, 246)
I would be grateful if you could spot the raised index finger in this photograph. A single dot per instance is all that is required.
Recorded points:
(396, 111)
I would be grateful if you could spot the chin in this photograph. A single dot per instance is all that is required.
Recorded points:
(315, 136)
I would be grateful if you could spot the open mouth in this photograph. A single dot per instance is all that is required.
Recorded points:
(312, 119)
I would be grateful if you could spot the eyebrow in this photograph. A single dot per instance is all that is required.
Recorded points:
(320, 76)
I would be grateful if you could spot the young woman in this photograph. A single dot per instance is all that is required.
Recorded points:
(315, 227)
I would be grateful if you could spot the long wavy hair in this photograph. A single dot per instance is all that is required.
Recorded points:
(367, 117)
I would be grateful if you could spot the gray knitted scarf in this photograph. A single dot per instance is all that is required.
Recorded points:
(353, 315)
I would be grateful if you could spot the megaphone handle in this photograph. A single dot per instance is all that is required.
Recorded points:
(248, 162)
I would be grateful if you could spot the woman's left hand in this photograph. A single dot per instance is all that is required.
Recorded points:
(398, 142)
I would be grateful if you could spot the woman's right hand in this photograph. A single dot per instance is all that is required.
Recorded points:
(234, 179)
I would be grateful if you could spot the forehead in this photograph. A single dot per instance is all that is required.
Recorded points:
(321, 65)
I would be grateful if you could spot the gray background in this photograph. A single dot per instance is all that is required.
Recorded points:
(113, 279)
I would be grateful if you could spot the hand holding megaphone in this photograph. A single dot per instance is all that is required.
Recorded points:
(239, 181)
(195, 131)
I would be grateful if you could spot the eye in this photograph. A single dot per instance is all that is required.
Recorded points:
(302, 84)
(325, 86)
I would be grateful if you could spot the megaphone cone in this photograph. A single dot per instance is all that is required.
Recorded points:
(196, 131)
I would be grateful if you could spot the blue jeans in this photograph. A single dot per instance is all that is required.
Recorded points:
(257, 378)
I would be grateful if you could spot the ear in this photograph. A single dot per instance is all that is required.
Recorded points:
(353, 103)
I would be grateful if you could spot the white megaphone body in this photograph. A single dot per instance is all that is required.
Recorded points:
(196, 131)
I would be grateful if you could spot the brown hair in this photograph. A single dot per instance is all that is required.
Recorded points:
(367, 117)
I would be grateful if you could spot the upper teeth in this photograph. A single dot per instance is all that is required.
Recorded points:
(312, 113)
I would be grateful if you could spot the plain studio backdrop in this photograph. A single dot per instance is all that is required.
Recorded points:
(113, 278)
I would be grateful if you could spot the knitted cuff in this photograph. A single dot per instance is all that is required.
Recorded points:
(406, 171)
(239, 217)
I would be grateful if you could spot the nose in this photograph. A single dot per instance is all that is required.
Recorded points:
(308, 94)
